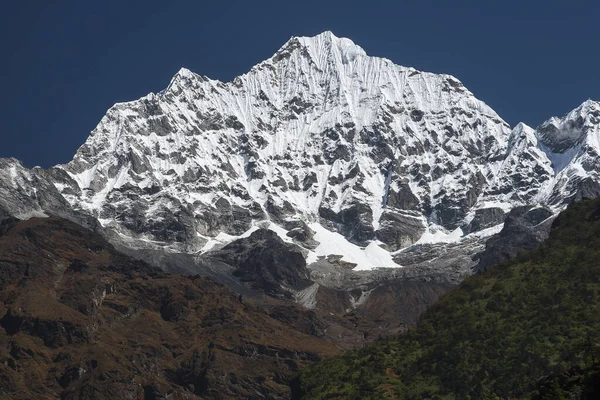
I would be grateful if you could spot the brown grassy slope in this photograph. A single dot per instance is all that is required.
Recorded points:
(80, 320)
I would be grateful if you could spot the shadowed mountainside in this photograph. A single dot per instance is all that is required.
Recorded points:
(80, 320)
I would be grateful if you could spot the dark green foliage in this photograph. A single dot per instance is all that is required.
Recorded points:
(577, 383)
(517, 330)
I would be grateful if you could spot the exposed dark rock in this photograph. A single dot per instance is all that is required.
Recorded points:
(525, 228)
(416, 115)
(484, 218)
(267, 263)
(403, 199)
(233, 122)
(399, 230)
(309, 180)
(276, 212)
(355, 222)
(449, 212)
(588, 189)
(228, 218)
(301, 232)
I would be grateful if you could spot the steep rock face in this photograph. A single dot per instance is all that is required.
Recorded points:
(525, 229)
(266, 263)
(320, 131)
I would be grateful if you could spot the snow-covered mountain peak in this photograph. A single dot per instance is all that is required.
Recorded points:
(320, 133)
(588, 106)
(182, 74)
(322, 45)
(327, 44)
(521, 135)
(185, 73)
(523, 127)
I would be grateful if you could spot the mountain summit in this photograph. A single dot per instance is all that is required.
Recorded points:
(322, 47)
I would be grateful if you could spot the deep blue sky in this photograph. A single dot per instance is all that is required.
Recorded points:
(64, 63)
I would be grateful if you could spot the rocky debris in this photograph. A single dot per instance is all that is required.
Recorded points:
(190, 264)
(336, 260)
(449, 261)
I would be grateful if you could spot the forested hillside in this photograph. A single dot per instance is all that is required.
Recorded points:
(528, 328)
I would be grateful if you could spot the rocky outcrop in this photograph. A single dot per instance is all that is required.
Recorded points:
(525, 229)
(266, 263)
(354, 222)
(399, 231)
(485, 218)
(301, 233)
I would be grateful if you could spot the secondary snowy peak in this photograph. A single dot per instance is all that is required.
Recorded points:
(580, 125)
(572, 145)
(557, 162)
(320, 133)
(523, 172)
(18, 192)
(27, 193)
